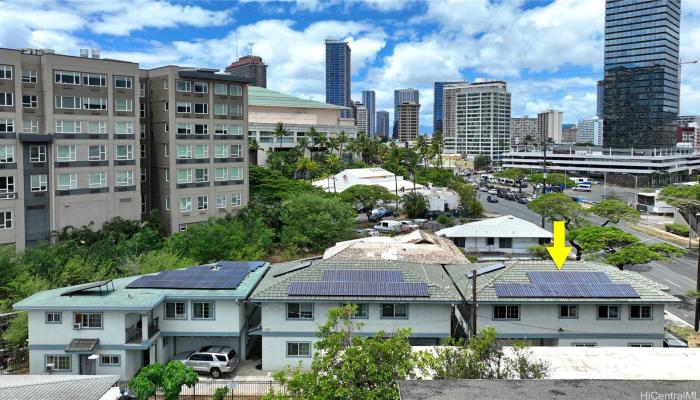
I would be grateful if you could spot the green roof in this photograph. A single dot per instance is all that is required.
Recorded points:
(258, 96)
(132, 298)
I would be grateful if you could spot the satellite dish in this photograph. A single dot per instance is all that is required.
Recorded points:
(93, 357)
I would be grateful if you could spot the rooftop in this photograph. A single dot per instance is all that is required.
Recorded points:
(501, 227)
(55, 387)
(258, 96)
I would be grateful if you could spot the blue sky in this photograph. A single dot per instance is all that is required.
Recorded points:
(550, 51)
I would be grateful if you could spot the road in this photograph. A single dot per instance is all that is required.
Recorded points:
(676, 273)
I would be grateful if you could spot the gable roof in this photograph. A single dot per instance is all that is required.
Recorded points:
(275, 285)
(258, 96)
(505, 226)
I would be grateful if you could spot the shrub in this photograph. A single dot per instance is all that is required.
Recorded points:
(677, 229)
(445, 219)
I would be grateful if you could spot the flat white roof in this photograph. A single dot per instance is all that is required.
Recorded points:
(500, 227)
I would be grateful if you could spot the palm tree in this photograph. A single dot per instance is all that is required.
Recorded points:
(303, 145)
(342, 140)
(437, 146)
(422, 148)
(392, 161)
(333, 163)
(306, 167)
(333, 144)
(312, 134)
(279, 131)
(321, 140)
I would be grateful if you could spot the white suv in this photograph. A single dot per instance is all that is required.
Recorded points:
(213, 360)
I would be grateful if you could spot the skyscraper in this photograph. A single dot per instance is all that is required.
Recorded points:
(641, 73)
(361, 118)
(408, 122)
(251, 67)
(437, 104)
(521, 128)
(600, 95)
(370, 104)
(403, 96)
(338, 74)
(382, 124)
(549, 124)
(590, 131)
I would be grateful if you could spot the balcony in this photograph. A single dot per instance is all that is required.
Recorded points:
(134, 333)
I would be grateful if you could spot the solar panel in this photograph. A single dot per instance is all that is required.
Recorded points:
(580, 290)
(223, 275)
(363, 275)
(286, 270)
(567, 277)
(486, 270)
(86, 286)
(383, 289)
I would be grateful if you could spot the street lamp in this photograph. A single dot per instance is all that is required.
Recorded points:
(635, 187)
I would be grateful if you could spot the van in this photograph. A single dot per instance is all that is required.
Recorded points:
(583, 187)
(388, 226)
(578, 180)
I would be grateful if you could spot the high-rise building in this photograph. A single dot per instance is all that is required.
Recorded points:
(437, 103)
(408, 126)
(368, 99)
(476, 118)
(549, 125)
(569, 134)
(641, 73)
(521, 129)
(69, 142)
(600, 96)
(338, 75)
(251, 67)
(590, 131)
(361, 118)
(403, 96)
(383, 124)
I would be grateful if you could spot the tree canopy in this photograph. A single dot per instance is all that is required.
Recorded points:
(414, 205)
(367, 196)
(168, 379)
(614, 210)
(686, 198)
(558, 207)
(553, 178)
(482, 161)
(512, 173)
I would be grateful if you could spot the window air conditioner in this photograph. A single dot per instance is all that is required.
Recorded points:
(77, 326)
(49, 367)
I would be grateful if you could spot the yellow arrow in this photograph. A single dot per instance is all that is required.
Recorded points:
(559, 251)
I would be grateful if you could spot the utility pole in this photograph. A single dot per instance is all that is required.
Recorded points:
(474, 303)
(544, 170)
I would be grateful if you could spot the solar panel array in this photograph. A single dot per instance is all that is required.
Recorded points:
(360, 282)
(486, 270)
(580, 284)
(223, 275)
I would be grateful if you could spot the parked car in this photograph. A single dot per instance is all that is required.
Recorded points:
(213, 360)
(490, 199)
(484, 189)
(381, 214)
(409, 224)
(432, 214)
(388, 226)
(522, 199)
(509, 196)
(493, 191)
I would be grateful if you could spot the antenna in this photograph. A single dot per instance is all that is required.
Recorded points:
(236, 47)
(250, 44)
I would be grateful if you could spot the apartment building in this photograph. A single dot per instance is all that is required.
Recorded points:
(522, 128)
(197, 144)
(68, 143)
(549, 125)
(408, 119)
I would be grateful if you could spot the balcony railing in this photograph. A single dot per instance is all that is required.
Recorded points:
(134, 334)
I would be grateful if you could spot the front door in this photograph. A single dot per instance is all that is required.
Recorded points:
(87, 366)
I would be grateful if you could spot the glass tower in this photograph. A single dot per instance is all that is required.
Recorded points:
(403, 96)
(338, 75)
(368, 99)
(640, 105)
(437, 104)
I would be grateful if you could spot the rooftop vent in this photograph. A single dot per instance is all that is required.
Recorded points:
(84, 53)
(95, 53)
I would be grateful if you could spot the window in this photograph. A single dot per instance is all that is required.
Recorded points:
(97, 180)
(67, 181)
(67, 102)
(125, 178)
(65, 153)
(125, 152)
(221, 174)
(7, 184)
(94, 79)
(142, 88)
(184, 107)
(165, 83)
(95, 103)
(123, 105)
(5, 219)
(220, 201)
(505, 243)
(68, 126)
(98, 127)
(37, 153)
(123, 82)
(88, 320)
(28, 76)
(235, 130)
(6, 99)
(30, 101)
(143, 174)
(185, 204)
(38, 183)
(236, 110)
(167, 202)
(124, 128)
(53, 317)
(143, 151)
(568, 311)
(183, 86)
(300, 311)
(220, 151)
(394, 310)
(220, 88)
(97, 152)
(184, 151)
(109, 360)
(235, 90)
(362, 310)
(201, 175)
(640, 312)
(608, 312)
(7, 154)
(584, 344)
(235, 173)
(165, 106)
(298, 349)
(490, 241)
(142, 110)
(59, 362)
(506, 312)
(142, 134)
(67, 77)
(235, 199)
(201, 151)
(202, 202)
(166, 151)
(219, 109)
(175, 310)
(7, 125)
(144, 207)
(201, 129)
(5, 71)
(221, 129)
(202, 310)
(30, 126)
(236, 150)
(201, 87)
(201, 108)
(640, 345)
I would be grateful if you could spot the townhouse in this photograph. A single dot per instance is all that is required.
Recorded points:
(116, 327)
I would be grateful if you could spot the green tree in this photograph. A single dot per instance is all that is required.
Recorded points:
(76, 271)
(614, 210)
(367, 196)
(560, 207)
(414, 205)
(553, 178)
(471, 207)
(159, 260)
(17, 333)
(422, 148)
(517, 174)
(685, 198)
(481, 162)
(168, 379)
(314, 223)
(349, 367)
(437, 146)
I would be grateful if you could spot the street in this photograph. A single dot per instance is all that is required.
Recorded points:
(676, 273)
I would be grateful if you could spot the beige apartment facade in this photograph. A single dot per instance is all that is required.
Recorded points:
(408, 121)
(68, 143)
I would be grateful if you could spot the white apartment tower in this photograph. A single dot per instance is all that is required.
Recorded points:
(590, 131)
(549, 124)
